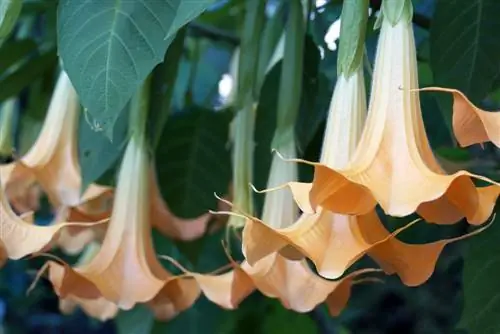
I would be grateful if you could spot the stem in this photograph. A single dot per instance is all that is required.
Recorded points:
(352, 36)
(249, 54)
(7, 116)
(271, 36)
(244, 121)
(139, 110)
(291, 73)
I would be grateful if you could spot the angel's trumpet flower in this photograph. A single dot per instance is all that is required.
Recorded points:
(126, 271)
(292, 282)
(393, 164)
(73, 240)
(53, 159)
(103, 309)
(471, 125)
(19, 237)
(334, 241)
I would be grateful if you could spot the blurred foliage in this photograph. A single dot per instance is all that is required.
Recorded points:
(458, 47)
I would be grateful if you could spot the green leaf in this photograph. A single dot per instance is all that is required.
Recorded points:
(481, 277)
(162, 87)
(13, 52)
(109, 47)
(9, 11)
(139, 320)
(25, 74)
(193, 162)
(465, 48)
(96, 153)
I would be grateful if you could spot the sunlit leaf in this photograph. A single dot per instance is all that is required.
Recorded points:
(109, 47)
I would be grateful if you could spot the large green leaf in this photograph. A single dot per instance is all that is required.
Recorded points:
(193, 161)
(481, 277)
(109, 47)
(465, 48)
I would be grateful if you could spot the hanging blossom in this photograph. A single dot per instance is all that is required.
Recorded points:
(52, 161)
(393, 164)
(73, 240)
(125, 270)
(19, 237)
(292, 282)
(334, 241)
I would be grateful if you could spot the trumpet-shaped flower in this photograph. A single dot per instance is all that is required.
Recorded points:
(53, 160)
(393, 164)
(126, 271)
(20, 237)
(335, 241)
(471, 125)
(292, 282)
(163, 306)
(73, 240)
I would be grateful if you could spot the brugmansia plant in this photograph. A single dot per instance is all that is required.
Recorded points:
(164, 165)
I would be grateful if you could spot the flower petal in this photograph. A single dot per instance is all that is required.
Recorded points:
(294, 283)
(413, 263)
(471, 125)
(226, 290)
(333, 242)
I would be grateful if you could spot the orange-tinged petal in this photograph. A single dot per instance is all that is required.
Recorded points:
(226, 290)
(413, 263)
(177, 295)
(294, 283)
(393, 164)
(19, 237)
(332, 241)
(471, 125)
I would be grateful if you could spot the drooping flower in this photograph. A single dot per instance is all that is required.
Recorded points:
(291, 281)
(20, 237)
(165, 305)
(334, 241)
(471, 125)
(394, 165)
(52, 161)
(126, 270)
